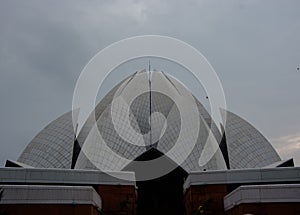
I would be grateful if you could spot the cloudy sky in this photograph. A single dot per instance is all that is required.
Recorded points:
(254, 46)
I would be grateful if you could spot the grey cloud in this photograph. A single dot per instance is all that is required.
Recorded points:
(253, 46)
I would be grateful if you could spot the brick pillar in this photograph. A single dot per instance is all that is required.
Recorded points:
(205, 198)
(118, 199)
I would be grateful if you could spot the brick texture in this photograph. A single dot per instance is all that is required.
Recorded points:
(118, 199)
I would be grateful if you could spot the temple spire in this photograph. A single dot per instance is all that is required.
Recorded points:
(150, 101)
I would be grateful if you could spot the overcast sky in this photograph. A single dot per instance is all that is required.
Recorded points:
(254, 46)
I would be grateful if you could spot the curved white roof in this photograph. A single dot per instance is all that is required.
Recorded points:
(247, 147)
(130, 120)
(123, 130)
(52, 147)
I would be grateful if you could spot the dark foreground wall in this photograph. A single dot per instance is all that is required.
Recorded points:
(48, 209)
(266, 208)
